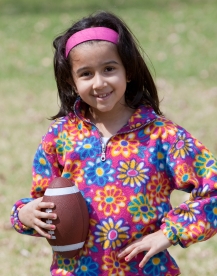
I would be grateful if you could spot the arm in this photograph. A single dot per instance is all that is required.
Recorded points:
(193, 170)
(26, 214)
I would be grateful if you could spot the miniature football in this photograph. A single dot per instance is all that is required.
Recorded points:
(72, 221)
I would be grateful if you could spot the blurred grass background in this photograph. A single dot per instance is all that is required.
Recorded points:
(180, 40)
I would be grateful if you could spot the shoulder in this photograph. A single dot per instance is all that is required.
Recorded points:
(57, 127)
(61, 123)
(165, 130)
(161, 126)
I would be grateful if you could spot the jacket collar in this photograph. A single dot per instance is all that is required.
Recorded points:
(143, 115)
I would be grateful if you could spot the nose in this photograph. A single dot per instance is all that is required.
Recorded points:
(98, 82)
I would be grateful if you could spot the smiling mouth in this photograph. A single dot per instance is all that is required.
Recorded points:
(103, 95)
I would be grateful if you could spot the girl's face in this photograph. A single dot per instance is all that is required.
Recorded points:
(99, 76)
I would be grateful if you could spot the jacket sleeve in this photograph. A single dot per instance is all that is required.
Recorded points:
(45, 167)
(193, 169)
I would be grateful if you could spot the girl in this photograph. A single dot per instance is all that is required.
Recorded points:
(111, 139)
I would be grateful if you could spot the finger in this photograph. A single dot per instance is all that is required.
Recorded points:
(45, 215)
(140, 248)
(45, 205)
(127, 250)
(44, 225)
(147, 256)
(42, 232)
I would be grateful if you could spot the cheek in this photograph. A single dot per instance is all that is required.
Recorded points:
(82, 87)
(121, 82)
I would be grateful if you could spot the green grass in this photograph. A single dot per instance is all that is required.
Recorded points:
(179, 38)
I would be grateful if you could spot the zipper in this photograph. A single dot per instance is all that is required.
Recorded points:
(103, 154)
(103, 158)
(103, 146)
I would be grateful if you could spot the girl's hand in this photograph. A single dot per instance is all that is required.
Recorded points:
(152, 244)
(30, 215)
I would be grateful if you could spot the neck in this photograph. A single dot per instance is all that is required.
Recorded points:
(109, 123)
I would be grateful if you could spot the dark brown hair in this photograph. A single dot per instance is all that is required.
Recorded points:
(140, 90)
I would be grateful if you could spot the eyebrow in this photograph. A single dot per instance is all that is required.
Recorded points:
(88, 67)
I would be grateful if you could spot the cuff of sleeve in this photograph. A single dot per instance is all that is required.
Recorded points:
(15, 221)
(169, 230)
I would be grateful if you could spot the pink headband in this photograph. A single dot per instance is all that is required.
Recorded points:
(95, 33)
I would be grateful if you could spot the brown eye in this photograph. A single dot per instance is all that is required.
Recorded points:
(85, 74)
(109, 69)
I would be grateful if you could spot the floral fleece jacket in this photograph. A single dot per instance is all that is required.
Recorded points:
(127, 185)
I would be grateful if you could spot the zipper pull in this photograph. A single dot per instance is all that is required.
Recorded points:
(103, 153)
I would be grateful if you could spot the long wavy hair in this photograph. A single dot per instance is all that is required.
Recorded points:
(140, 90)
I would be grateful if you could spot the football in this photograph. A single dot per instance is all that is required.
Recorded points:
(72, 223)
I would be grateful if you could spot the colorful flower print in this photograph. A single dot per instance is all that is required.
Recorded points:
(173, 231)
(198, 144)
(39, 186)
(110, 200)
(198, 232)
(111, 233)
(140, 115)
(72, 170)
(141, 209)
(66, 264)
(63, 143)
(60, 272)
(132, 173)
(199, 193)
(124, 145)
(205, 164)
(49, 148)
(188, 211)
(56, 125)
(88, 245)
(201, 231)
(163, 210)
(88, 200)
(79, 130)
(159, 188)
(114, 265)
(40, 163)
(89, 147)
(158, 155)
(99, 173)
(156, 265)
(211, 212)
(87, 267)
(143, 138)
(169, 273)
(142, 231)
(182, 147)
(160, 128)
(185, 175)
(92, 222)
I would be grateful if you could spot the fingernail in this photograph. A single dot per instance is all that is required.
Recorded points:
(127, 259)
(54, 217)
(53, 227)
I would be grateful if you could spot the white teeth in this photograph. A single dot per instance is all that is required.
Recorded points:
(103, 95)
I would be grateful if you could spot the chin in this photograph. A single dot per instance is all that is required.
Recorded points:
(104, 109)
